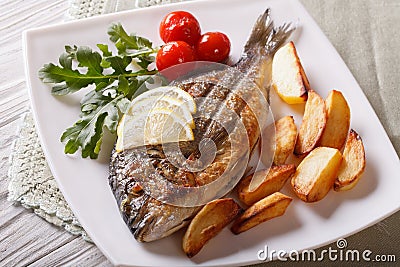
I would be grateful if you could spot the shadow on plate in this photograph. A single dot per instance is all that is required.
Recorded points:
(168, 246)
(366, 185)
(226, 243)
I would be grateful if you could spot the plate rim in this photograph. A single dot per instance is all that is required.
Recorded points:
(27, 35)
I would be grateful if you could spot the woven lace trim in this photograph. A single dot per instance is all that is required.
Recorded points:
(32, 184)
(89, 8)
(147, 3)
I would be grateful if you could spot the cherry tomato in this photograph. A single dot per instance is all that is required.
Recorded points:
(180, 26)
(174, 53)
(213, 46)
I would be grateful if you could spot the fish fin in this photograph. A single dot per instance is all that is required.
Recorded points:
(263, 27)
(265, 36)
(265, 39)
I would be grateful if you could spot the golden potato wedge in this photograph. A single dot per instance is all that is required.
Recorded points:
(316, 174)
(274, 179)
(312, 125)
(267, 208)
(285, 139)
(353, 164)
(207, 223)
(288, 76)
(338, 121)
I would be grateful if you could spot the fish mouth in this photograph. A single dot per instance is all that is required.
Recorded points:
(156, 220)
(147, 230)
(144, 232)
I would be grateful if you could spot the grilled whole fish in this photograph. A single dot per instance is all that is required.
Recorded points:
(150, 219)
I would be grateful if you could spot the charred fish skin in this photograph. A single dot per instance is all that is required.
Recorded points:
(149, 219)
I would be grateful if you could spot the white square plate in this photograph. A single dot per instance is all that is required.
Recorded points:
(84, 182)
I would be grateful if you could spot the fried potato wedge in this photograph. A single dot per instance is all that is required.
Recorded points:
(338, 121)
(312, 125)
(353, 164)
(274, 179)
(207, 223)
(288, 76)
(285, 139)
(267, 208)
(316, 174)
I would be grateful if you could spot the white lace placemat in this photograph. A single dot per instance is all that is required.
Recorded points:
(33, 185)
(88, 8)
(31, 182)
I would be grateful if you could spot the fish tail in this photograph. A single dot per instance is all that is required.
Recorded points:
(265, 39)
(262, 31)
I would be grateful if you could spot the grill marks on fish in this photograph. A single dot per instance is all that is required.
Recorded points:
(140, 211)
(177, 176)
(148, 218)
(208, 95)
(145, 214)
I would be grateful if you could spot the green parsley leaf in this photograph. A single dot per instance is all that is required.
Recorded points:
(125, 42)
(114, 80)
(68, 80)
(99, 109)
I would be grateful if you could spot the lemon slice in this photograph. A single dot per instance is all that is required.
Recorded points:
(164, 101)
(158, 116)
(179, 95)
(165, 126)
(134, 137)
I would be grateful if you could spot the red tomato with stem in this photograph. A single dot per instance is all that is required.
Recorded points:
(213, 46)
(174, 53)
(180, 26)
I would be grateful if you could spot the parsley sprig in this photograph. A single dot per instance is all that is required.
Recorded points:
(112, 80)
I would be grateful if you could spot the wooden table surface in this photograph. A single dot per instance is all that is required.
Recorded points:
(26, 239)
